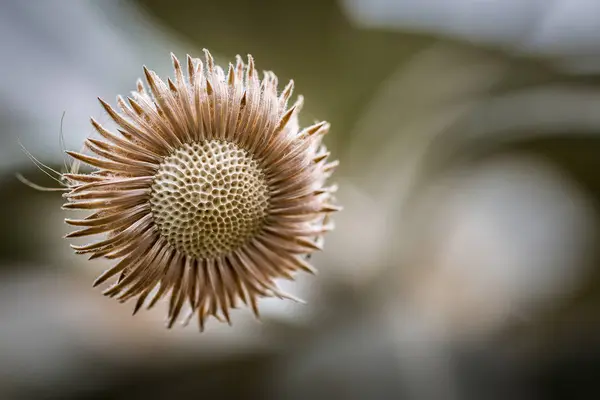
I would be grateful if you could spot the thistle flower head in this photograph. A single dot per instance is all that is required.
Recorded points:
(207, 192)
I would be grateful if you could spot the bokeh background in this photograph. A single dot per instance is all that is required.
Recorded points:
(464, 265)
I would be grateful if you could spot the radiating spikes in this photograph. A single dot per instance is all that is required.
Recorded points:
(305, 207)
(149, 77)
(192, 283)
(285, 118)
(156, 85)
(238, 276)
(140, 301)
(130, 130)
(140, 87)
(132, 198)
(199, 67)
(231, 75)
(201, 102)
(177, 271)
(330, 208)
(272, 265)
(232, 287)
(166, 284)
(198, 103)
(222, 291)
(201, 317)
(324, 129)
(212, 283)
(295, 231)
(203, 292)
(250, 71)
(296, 246)
(283, 295)
(112, 165)
(308, 243)
(108, 152)
(239, 67)
(292, 179)
(100, 129)
(110, 273)
(254, 305)
(147, 277)
(176, 310)
(135, 106)
(137, 227)
(124, 263)
(177, 295)
(210, 62)
(172, 86)
(331, 166)
(118, 250)
(311, 130)
(209, 88)
(122, 276)
(90, 143)
(284, 258)
(97, 228)
(323, 190)
(264, 84)
(254, 279)
(191, 69)
(178, 71)
(175, 61)
(114, 115)
(274, 82)
(107, 107)
(90, 160)
(219, 73)
(303, 264)
(299, 103)
(186, 320)
(136, 182)
(286, 94)
(124, 106)
(169, 120)
(82, 177)
(109, 223)
(320, 157)
(136, 268)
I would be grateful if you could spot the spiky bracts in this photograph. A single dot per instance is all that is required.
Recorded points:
(207, 193)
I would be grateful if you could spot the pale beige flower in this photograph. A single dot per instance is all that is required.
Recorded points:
(208, 192)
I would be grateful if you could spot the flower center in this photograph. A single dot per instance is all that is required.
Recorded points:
(209, 198)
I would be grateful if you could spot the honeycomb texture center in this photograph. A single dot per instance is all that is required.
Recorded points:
(209, 198)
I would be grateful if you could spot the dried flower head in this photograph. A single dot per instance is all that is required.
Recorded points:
(208, 192)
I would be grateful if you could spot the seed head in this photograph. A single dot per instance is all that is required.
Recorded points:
(207, 193)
